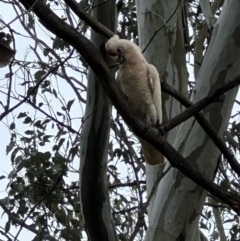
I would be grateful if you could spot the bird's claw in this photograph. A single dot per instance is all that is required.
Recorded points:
(147, 126)
(160, 129)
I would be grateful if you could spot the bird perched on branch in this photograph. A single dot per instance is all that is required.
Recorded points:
(140, 83)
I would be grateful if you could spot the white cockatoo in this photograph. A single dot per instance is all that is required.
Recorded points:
(140, 82)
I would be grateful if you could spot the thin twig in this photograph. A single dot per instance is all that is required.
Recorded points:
(88, 19)
(149, 11)
(127, 184)
(151, 39)
(63, 169)
(20, 222)
(18, 16)
(69, 128)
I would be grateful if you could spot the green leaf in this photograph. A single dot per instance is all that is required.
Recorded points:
(28, 132)
(46, 51)
(61, 141)
(45, 122)
(38, 124)
(54, 93)
(46, 137)
(7, 226)
(203, 226)
(60, 114)
(14, 153)
(12, 126)
(69, 104)
(18, 159)
(74, 151)
(10, 147)
(11, 174)
(59, 44)
(39, 74)
(27, 120)
(21, 115)
(8, 75)
(45, 84)
(32, 90)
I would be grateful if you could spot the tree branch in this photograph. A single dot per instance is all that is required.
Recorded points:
(88, 19)
(57, 26)
(206, 126)
(195, 108)
(127, 184)
(69, 128)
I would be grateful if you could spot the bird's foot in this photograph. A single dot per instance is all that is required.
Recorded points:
(147, 126)
(160, 129)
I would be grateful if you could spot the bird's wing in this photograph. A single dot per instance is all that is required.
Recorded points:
(154, 82)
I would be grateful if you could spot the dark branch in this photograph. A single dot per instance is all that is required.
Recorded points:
(127, 184)
(205, 124)
(195, 108)
(69, 128)
(125, 210)
(88, 19)
(7, 111)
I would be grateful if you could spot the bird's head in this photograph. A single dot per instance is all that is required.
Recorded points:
(121, 49)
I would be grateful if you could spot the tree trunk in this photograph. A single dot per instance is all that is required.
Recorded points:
(94, 145)
(178, 201)
(169, 61)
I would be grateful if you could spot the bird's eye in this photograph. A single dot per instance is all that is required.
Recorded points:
(120, 50)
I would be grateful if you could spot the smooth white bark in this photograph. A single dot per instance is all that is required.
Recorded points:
(151, 16)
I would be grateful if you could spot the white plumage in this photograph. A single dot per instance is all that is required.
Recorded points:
(140, 82)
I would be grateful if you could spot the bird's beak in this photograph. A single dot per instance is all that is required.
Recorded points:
(117, 57)
(120, 58)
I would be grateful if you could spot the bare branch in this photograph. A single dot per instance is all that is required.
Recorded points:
(170, 17)
(195, 108)
(127, 184)
(88, 19)
(206, 127)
